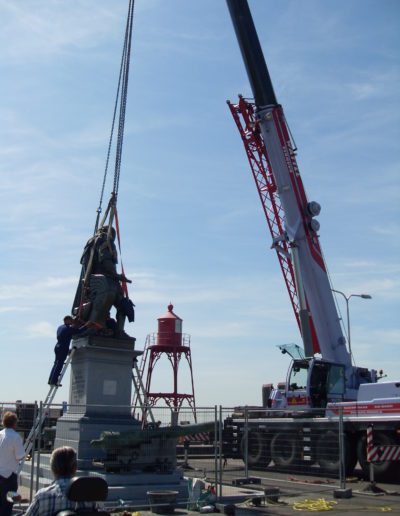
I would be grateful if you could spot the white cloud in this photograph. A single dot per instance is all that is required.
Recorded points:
(362, 91)
(14, 309)
(391, 230)
(40, 329)
(40, 29)
(48, 290)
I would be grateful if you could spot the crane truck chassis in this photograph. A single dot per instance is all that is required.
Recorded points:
(298, 423)
(295, 439)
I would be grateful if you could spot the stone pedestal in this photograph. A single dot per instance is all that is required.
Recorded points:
(100, 395)
(100, 400)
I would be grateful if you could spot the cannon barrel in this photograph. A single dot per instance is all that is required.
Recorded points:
(117, 440)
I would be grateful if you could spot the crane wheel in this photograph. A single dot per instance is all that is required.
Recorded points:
(257, 449)
(328, 453)
(285, 450)
(382, 470)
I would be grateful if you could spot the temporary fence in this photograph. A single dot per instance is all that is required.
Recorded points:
(219, 446)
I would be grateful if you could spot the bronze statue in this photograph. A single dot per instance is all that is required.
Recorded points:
(100, 285)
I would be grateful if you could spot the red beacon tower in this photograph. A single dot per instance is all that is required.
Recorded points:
(172, 343)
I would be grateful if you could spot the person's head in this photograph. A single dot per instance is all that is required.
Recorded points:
(63, 462)
(68, 320)
(10, 420)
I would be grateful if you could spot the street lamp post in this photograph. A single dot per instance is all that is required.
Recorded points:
(347, 298)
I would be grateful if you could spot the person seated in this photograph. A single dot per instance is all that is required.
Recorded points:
(53, 498)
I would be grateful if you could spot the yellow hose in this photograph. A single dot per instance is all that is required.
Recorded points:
(321, 504)
(314, 505)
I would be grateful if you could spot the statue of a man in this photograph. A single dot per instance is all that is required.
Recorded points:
(103, 290)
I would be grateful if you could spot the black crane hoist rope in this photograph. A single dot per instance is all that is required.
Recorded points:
(111, 210)
(120, 100)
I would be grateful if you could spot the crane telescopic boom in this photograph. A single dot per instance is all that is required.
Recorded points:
(319, 320)
(322, 386)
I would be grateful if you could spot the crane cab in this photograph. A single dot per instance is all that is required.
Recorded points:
(312, 382)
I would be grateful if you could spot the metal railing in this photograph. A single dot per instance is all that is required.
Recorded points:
(247, 446)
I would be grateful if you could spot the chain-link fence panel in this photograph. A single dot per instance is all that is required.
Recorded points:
(275, 441)
(219, 446)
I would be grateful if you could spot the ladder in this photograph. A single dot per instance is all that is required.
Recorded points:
(140, 393)
(140, 372)
(37, 425)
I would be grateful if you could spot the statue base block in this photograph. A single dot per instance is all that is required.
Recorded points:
(100, 400)
(128, 488)
(99, 395)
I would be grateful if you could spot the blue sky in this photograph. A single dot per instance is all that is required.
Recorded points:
(193, 229)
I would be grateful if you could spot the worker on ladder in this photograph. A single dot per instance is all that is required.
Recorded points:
(65, 332)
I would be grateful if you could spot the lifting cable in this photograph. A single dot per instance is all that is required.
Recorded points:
(121, 100)
(111, 210)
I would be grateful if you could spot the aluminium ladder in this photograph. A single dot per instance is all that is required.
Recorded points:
(140, 393)
(38, 423)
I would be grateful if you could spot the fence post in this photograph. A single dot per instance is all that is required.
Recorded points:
(342, 452)
(246, 442)
(342, 492)
(220, 451)
(35, 413)
(39, 447)
(217, 450)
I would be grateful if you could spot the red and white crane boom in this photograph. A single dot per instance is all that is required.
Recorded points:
(291, 217)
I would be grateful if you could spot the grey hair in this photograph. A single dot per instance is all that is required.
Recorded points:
(63, 462)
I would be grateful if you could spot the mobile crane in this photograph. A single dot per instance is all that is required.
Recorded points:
(321, 378)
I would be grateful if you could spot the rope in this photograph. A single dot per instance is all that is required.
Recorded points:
(109, 149)
(124, 95)
(121, 99)
(321, 504)
(314, 505)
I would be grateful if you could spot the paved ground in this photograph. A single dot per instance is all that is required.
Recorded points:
(299, 495)
(306, 492)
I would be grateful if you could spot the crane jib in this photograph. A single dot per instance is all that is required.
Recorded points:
(297, 185)
(296, 214)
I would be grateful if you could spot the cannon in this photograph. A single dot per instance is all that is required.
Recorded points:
(145, 449)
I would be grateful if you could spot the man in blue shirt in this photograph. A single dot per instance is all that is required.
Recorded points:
(65, 332)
